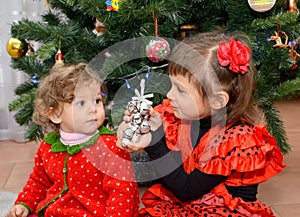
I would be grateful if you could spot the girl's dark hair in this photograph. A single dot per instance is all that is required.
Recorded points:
(196, 58)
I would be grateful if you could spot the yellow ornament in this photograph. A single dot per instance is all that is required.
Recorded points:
(115, 4)
(112, 5)
(16, 48)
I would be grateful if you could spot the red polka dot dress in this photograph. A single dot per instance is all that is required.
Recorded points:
(91, 179)
(245, 154)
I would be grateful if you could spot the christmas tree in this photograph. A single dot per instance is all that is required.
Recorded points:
(76, 31)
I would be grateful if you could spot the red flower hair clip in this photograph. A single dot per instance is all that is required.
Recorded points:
(234, 54)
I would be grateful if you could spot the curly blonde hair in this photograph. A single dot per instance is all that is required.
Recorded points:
(58, 87)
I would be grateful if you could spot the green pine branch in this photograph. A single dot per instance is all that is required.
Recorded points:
(34, 132)
(287, 90)
(24, 88)
(21, 102)
(31, 65)
(41, 32)
(276, 21)
(276, 127)
(23, 116)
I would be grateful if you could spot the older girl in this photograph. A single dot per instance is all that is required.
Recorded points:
(212, 149)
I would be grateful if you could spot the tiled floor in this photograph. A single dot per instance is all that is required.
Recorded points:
(282, 192)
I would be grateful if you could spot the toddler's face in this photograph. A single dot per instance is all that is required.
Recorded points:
(86, 113)
(186, 100)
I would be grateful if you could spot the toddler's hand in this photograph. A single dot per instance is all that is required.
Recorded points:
(18, 211)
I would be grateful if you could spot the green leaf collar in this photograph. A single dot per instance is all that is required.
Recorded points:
(53, 139)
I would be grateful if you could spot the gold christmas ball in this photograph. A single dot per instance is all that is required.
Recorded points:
(16, 48)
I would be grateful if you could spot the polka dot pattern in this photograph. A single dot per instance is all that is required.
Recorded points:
(93, 185)
(210, 205)
(246, 154)
(239, 149)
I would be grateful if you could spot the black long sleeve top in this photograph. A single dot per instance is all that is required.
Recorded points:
(186, 187)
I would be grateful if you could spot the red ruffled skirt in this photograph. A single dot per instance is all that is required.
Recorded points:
(158, 201)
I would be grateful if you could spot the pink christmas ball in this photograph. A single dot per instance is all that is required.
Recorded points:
(157, 49)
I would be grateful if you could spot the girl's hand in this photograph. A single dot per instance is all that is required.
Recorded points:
(145, 140)
(18, 211)
(154, 120)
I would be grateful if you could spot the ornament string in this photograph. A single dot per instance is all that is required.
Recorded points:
(155, 25)
(59, 42)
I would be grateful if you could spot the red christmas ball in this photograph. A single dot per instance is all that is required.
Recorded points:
(59, 58)
(157, 49)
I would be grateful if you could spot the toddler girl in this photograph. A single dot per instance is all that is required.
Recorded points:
(78, 169)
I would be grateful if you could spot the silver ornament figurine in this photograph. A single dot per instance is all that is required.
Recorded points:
(139, 108)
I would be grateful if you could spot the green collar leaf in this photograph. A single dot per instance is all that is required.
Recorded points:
(53, 139)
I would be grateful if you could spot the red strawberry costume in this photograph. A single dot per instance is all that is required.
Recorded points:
(90, 179)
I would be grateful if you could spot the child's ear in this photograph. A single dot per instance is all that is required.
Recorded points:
(219, 100)
(54, 116)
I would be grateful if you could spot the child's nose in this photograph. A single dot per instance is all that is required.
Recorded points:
(169, 94)
(92, 108)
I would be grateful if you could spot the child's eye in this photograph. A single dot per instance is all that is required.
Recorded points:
(180, 89)
(80, 103)
(97, 101)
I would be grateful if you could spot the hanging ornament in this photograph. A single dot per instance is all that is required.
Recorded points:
(292, 45)
(16, 48)
(157, 49)
(59, 58)
(99, 27)
(293, 5)
(112, 5)
(276, 37)
(187, 31)
(261, 5)
(293, 54)
(30, 50)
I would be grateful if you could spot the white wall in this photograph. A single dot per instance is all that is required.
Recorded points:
(12, 11)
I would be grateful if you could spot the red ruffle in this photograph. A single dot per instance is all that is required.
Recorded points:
(171, 124)
(251, 152)
(160, 202)
(176, 131)
(234, 202)
(254, 157)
